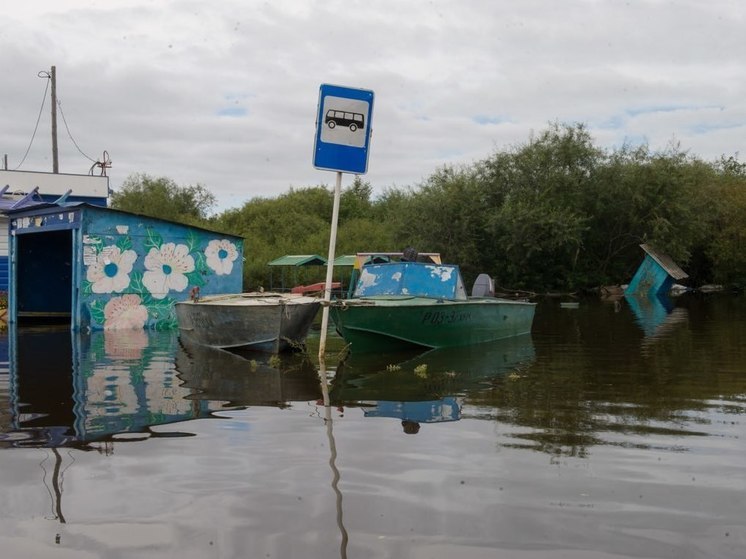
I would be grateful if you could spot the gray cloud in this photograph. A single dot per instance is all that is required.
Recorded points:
(224, 93)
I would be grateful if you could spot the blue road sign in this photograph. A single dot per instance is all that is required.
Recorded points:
(343, 129)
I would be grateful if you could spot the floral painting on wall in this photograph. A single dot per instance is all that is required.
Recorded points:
(132, 281)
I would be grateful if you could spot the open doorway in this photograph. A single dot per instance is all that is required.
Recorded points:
(44, 277)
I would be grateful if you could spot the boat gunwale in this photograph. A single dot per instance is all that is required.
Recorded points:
(252, 299)
(420, 300)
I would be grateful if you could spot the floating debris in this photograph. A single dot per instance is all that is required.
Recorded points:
(421, 370)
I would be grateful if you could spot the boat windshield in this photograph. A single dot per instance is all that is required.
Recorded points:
(416, 279)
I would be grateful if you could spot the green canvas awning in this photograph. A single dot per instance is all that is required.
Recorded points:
(345, 260)
(294, 265)
(299, 260)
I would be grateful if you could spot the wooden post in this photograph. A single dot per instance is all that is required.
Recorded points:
(55, 159)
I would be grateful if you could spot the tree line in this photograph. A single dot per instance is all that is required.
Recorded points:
(553, 213)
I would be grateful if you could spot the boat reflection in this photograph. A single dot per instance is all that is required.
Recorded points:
(427, 387)
(246, 379)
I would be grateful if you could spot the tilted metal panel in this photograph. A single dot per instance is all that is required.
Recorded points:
(410, 278)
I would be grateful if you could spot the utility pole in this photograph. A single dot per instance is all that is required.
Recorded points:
(55, 158)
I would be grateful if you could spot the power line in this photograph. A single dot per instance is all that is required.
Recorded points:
(59, 104)
(43, 100)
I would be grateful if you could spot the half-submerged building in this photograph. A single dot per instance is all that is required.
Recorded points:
(109, 269)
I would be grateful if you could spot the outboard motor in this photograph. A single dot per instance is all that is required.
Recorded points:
(483, 286)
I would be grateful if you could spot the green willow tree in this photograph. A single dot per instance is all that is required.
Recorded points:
(726, 196)
(553, 213)
(163, 198)
(299, 222)
(642, 197)
(442, 216)
(533, 193)
(559, 213)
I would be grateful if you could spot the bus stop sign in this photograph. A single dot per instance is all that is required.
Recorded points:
(343, 129)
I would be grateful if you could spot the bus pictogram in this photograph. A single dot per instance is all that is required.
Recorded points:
(343, 118)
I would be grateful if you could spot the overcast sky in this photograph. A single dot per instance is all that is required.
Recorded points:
(224, 92)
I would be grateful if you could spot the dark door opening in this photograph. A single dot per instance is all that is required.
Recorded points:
(44, 277)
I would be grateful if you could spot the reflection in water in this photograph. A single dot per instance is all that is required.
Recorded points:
(429, 387)
(88, 390)
(576, 440)
(115, 385)
(55, 491)
(247, 379)
(598, 380)
(92, 387)
(329, 422)
(655, 313)
(581, 379)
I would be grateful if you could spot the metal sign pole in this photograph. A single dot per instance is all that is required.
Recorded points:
(343, 129)
(330, 270)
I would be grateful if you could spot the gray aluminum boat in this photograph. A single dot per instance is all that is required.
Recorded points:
(271, 322)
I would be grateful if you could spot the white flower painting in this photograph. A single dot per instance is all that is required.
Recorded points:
(166, 268)
(125, 313)
(220, 255)
(109, 272)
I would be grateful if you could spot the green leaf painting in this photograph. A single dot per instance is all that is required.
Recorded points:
(86, 288)
(153, 240)
(200, 263)
(192, 241)
(97, 311)
(196, 279)
(137, 286)
(160, 309)
(124, 243)
(169, 323)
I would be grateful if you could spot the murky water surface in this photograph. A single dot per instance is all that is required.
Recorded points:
(614, 430)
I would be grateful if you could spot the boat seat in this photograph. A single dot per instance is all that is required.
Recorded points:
(483, 286)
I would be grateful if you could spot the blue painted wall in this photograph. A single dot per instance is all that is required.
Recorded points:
(127, 270)
(135, 268)
(651, 279)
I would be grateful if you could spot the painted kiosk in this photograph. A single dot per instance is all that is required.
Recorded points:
(105, 269)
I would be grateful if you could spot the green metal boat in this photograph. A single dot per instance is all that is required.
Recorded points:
(414, 303)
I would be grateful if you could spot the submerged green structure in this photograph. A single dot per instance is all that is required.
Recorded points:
(656, 274)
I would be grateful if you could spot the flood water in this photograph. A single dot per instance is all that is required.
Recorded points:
(614, 430)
